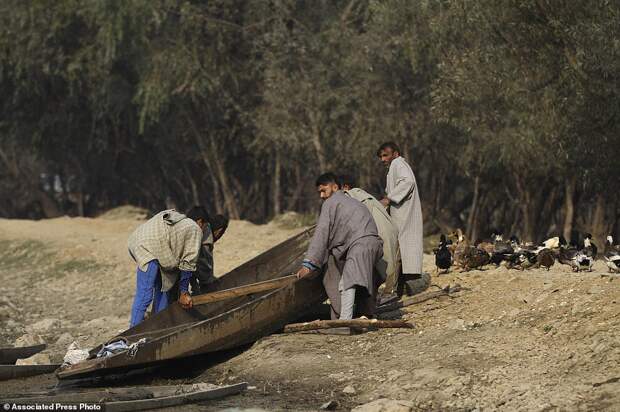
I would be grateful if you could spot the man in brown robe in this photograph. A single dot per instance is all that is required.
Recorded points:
(347, 241)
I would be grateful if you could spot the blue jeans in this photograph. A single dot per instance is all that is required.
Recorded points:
(148, 288)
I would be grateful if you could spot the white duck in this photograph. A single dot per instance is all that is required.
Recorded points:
(612, 255)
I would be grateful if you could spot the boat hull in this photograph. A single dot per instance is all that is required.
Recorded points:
(8, 356)
(177, 333)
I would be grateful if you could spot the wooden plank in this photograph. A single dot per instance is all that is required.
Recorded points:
(21, 371)
(175, 400)
(352, 323)
(64, 395)
(416, 299)
(244, 290)
(8, 356)
(125, 396)
(95, 396)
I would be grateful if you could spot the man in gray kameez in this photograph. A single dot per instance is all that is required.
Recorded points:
(403, 199)
(346, 240)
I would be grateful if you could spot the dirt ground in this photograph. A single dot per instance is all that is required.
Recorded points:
(511, 340)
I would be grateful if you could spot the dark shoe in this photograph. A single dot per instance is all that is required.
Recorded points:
(416, 283)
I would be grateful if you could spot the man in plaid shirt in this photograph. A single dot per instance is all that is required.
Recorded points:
(166, 249)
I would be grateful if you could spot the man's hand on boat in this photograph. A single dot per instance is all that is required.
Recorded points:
(305, 272)
(185, 300)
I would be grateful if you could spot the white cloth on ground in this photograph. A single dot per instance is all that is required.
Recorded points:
(119, 345)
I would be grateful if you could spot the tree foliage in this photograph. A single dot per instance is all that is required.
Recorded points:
(508, 111)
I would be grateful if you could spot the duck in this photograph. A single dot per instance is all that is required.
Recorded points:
(472, 258)
(501, 249)
(612, 255)
(545, 258)
(443, 257)
(589, 248)
(526, 259)
(581, 261)
(486, 246)
(459, 247)
(567, 256)
(515, 243)
(609, 245)
(514, 260)
(612, 259)
(552, 243)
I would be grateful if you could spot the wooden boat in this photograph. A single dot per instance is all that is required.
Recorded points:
(8, 356)
(22, 371)
(176, 332)
(133, 398)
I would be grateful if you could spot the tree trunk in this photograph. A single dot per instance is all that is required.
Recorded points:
(229, 198)
(318, 145)
(527, 209)
(217, 173)
(192, 182)
(277, 191)
(80, 203)
(49, 206)
(473, 209)
(298, 185)
(599, 228)
(546, 212)
(204, 155)
(569, 208)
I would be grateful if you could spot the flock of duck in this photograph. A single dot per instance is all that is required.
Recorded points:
(456, 250)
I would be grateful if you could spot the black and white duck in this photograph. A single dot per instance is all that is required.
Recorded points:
(612, 255)
(526, 259)
(566, 254)
(581, 261)
(501, 249)
(609, 245)
(589, 248)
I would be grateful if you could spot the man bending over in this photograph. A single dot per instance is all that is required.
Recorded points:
(166, 249)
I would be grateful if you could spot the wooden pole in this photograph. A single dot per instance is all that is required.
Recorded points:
(243, 290)
(422, 297)
(352, 323)
(175, 400)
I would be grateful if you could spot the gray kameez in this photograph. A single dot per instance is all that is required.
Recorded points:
(346, 235)
(406, 212)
